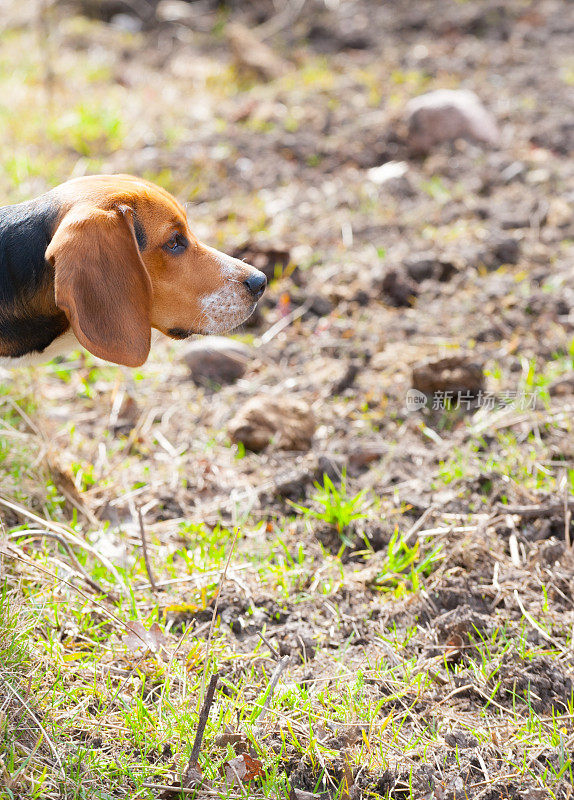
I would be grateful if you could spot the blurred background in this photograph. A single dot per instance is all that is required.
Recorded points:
(403, 173)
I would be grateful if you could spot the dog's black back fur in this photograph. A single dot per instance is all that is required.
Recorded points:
(25, 278)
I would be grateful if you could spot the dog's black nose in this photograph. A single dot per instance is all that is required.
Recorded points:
(256, 284)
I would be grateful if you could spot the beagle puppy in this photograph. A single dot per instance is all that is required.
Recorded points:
(101, 261)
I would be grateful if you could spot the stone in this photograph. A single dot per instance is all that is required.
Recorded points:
(563, 386)
(216, 360)
(399, 289)
(346, 380)
(461, 739)
(364, 453)
(293, 485)
(457, 374)
(423, 267)
(499, 250)
(506, 251)
(319, 306)
(445, 115)
(286, 422)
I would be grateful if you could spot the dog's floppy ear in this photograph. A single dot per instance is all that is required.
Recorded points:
(101, 282)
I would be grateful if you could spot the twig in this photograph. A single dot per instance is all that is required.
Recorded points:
(537, 512)
(77, 566)
(268, 643)
(277, 672)
(214, 615)
(284, 323)
(458, 690)
(419, 523)
(145, 552)
(67, 534)
(284, 19)
(191, 770)
(567, 513)
(191, 578)
(538, 627)
(177, 790)
(29, 422)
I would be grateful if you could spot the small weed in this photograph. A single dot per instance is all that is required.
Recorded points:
(337, 508)
(402, 565)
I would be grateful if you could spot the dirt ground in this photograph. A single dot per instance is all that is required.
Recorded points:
(454, 681)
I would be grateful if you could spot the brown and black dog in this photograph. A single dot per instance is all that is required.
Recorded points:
(101, 261)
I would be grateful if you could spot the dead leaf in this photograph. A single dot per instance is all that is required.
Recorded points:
(243, 769)
(254, 767)
(139, 639)
(454, 647)
(63, 478)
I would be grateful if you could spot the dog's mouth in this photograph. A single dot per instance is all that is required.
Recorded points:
(179, 333)
(221, 324)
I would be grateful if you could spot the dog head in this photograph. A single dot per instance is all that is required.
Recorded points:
(125, 261)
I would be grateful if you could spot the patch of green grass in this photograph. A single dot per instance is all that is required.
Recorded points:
(334, 505)
(88, 129)
(17, 705)
(507, 456)
(436, 188)
(405, 566)
(14, 633)
(520, 455)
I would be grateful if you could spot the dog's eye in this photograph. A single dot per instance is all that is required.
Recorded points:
(176, 244)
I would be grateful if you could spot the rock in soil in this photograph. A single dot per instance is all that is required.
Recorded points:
(456, 374)
(461, 739)
(361, 455)
(287, 422)
(500, 250)
(346, 380)
(319, 306)
(293, 485)
(216, 360)
(562, 386)
(399, 289)
(462, 621)
(331, 465)
(423, 267)
(445, 115)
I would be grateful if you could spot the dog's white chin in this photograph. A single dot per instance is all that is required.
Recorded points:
(227, 325)
(222, 313)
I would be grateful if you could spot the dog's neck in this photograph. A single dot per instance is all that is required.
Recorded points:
(31, 325)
